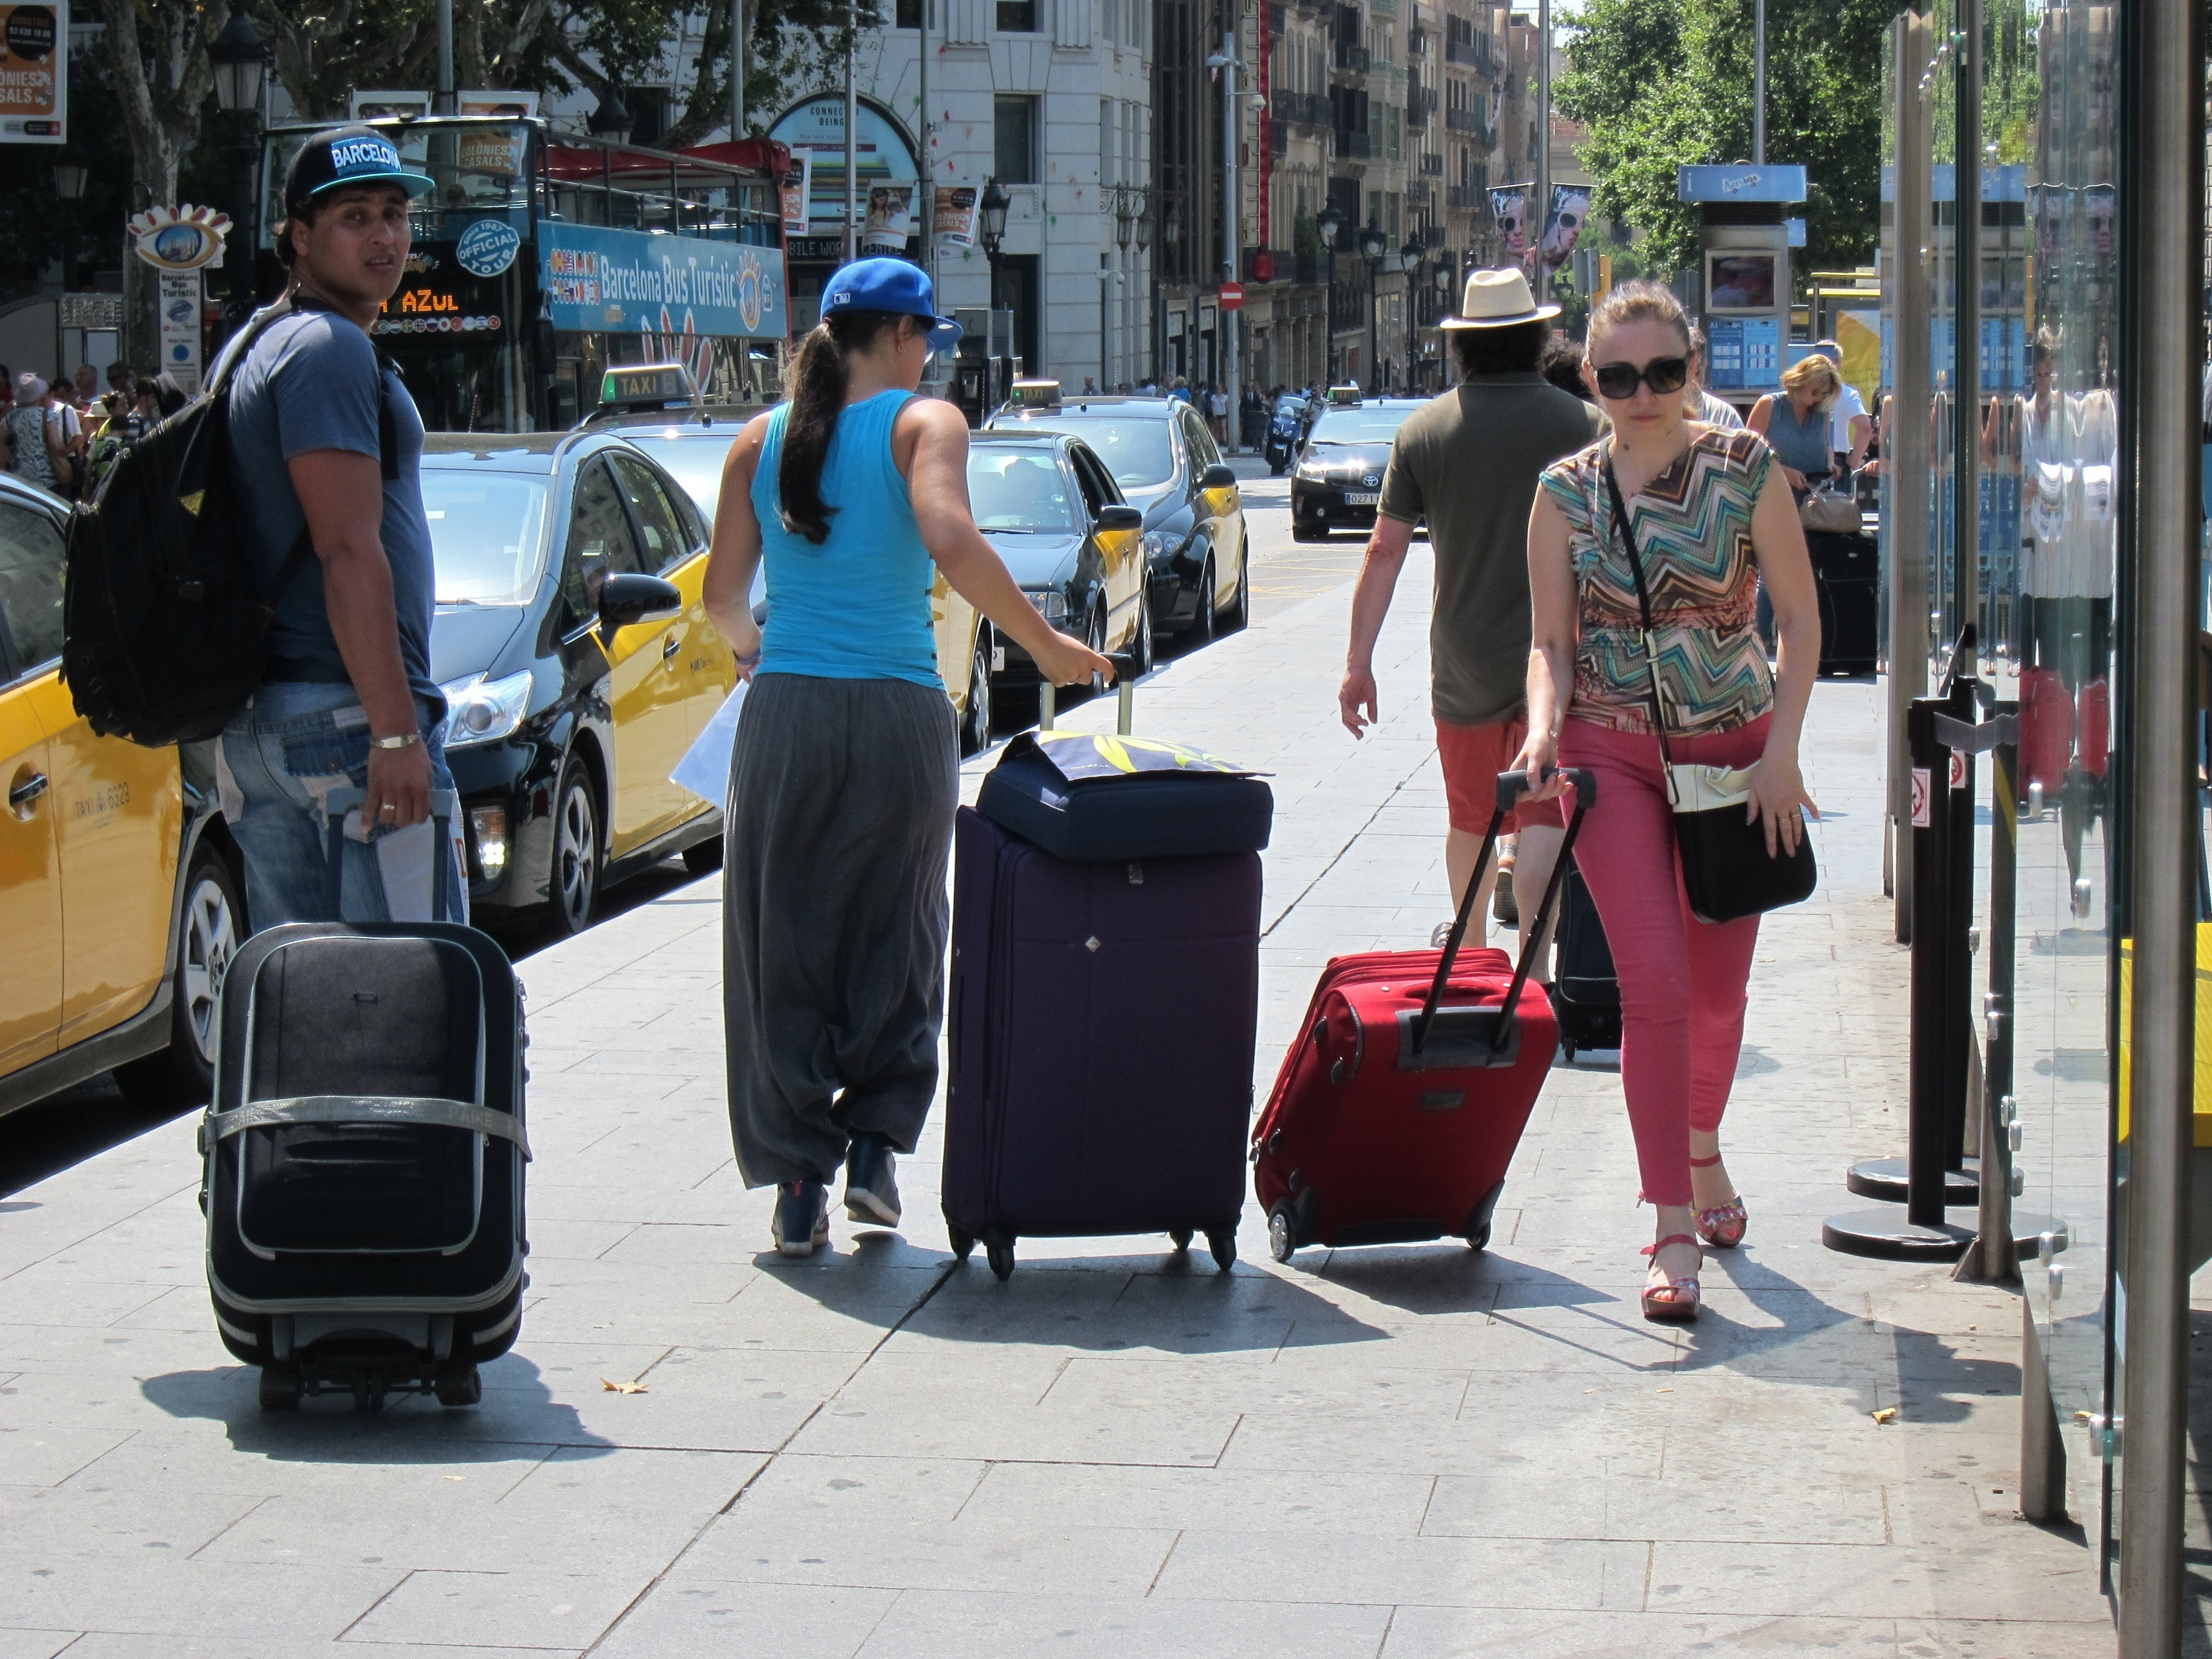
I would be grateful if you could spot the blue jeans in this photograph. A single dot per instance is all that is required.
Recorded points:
(281, 756)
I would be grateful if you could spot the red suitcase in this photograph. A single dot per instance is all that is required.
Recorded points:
(2046, 731)
(1397, 1110)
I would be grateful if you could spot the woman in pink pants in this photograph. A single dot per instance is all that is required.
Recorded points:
(1711, 514)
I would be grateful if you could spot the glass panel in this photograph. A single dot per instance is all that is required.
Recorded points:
(31, 586)
(487, 534)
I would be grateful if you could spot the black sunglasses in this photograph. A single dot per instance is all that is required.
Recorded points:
(1662, 374)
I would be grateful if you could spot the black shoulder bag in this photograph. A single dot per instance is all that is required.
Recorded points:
(1726, 869)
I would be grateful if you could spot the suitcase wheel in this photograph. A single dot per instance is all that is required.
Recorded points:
(458, 1385)
(964, 1244)
(1180, 1236)
(1000, 1254)
(1222, 1241)
(1480, 1238)
(1282, 1238)
(280, 1387)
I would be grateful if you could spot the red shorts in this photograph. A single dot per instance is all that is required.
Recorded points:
(1474, 756)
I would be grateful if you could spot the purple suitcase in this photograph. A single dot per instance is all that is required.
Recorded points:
(1102, 1030)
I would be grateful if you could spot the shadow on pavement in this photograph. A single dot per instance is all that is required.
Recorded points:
(411, 1429)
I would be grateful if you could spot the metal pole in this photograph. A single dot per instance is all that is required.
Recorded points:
(2162, 46)
(1541, 207)
(1759, 86)
(852, 140)
(1991, 1258)
(1928, 1040)
(737, 71)
(1231, 254)
(926, 194)
(1907, 457)
(444, 102)
(1958, 857)
(1966, 368)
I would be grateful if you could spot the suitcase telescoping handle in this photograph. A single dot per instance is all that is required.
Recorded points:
(445, 808)
(1511, 785)
(1125, 677)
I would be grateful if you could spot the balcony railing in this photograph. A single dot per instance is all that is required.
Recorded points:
(1351, 59)
(1433, 167)
(1419, 104)
(1462, 195)
(1310, 108)
(1462, 120)
(1278, 138)
(1466, 52)
(1356, 146)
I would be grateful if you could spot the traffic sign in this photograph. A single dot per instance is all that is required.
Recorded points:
(1232, 296)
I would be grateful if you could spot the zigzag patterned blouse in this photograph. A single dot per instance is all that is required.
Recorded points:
(1692, 526)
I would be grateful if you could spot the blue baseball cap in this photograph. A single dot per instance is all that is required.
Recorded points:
(346, 156)
(891, 285)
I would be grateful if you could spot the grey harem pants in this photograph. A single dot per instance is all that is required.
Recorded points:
(835, 917)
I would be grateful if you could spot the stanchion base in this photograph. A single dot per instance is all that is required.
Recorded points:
(1884, 1178)
(1886, 1236)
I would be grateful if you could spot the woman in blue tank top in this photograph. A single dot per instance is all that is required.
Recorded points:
(1796, 424)
(846, 772)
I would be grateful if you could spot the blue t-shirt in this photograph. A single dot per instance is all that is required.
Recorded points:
(857, 606)
(313, 382)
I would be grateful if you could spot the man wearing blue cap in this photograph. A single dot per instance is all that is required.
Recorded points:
(846, 772)
(325, 448)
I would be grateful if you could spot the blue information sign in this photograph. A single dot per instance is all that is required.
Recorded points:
(597, 280)
(1743, 354)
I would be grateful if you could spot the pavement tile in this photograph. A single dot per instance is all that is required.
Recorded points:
(1344, 1567)
(691, 1617)
(36, 1643)
(948, 1625)
(1459, 1633)
(1254, 1500)
(1019, 1557)
(240, 1600)
(528, 1608)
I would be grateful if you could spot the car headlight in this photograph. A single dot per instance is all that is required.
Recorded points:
(1051, 604)
(1160, 544)
(1313, 472)
(478, 710)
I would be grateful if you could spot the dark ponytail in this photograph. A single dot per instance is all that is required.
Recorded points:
(818, 398)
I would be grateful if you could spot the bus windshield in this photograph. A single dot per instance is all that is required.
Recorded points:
(487, 534)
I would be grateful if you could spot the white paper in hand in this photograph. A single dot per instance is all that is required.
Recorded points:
(705, 769)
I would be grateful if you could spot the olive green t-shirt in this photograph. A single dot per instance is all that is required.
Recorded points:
(1468, 463)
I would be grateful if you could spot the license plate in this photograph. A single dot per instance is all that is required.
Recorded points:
(1363, 498)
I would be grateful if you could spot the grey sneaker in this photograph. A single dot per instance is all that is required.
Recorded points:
(1440, 935)
(800, 1225)
(871, 1180)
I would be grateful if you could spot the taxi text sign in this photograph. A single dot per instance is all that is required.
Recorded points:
(34, 87)
(597, 280)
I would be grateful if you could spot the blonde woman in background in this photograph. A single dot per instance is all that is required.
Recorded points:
(1796, 424)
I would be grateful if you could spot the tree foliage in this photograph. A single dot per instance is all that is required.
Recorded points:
(1660, 84)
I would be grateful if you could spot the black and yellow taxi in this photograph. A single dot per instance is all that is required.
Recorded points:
(1337, 483)
(1168, 467)
(121, 893)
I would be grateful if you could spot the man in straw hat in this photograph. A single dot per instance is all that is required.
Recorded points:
(1467, 464)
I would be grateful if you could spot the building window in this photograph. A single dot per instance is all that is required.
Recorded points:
(907, 15)
(1017, 17)
(1014, 121)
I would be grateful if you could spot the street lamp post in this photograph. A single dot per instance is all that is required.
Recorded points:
(241, 61)
(1125, 224)
(1413, 255)
(1170, 236)
(1371, 244)
(70, 173)
(994, 203)
(1446, 276)
(1143, 215)
(1330, 221)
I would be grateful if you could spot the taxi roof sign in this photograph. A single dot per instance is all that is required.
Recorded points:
(646, 386)
(1035, 394)
(1344, 394)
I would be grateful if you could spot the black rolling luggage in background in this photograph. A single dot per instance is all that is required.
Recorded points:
(362, 1175)
(1847, 572)
(1585, 995)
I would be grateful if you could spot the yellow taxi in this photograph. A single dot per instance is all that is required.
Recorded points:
(121, 894)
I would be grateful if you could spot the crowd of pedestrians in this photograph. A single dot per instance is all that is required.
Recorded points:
(61, 434)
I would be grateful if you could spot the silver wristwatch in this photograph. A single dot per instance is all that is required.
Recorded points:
(399, 741)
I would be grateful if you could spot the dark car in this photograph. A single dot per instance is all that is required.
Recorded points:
(577, 659)
(1165, 462)
(1338, 481)
(1053, 511)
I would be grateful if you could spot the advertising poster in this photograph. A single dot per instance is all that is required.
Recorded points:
(816, 127)
(180, 328)
(1509, 205)
(1563, 227)
(1859, 334)
(797, 187)
(956, 214)
(890, 216)
(33, 90)
(597, 280)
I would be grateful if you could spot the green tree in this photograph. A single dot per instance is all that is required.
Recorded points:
(1661, 84)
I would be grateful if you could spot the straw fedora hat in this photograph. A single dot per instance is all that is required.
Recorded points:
(1499, 299)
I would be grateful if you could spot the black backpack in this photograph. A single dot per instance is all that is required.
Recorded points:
(162, 621)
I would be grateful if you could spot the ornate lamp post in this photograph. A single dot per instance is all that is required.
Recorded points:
(1371, 244)
(241, 60)
(1413, 255)
(1330, 222)
(611, 120)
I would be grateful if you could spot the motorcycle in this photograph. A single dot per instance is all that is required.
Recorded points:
(1284, 429)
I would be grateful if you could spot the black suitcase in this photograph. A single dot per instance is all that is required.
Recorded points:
(1102, 1029)
(362, 1159)
(1585, 995)
(1847, 573)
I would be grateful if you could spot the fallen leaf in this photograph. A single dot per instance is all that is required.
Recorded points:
(456, 1477)
(1885, 1414)
(622, 1388)
(1666, 1391)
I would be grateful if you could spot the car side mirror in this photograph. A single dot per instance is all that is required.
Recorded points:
(1217, 476)
(626, 598)
(1117, 517)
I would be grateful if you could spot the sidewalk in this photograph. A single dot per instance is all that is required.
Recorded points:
(1409, 1452)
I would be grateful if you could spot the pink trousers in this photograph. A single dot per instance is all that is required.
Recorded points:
(1681, 980)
